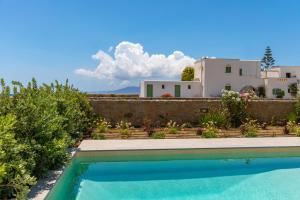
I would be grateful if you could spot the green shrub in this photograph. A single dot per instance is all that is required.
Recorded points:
(15, 177)
(210, 130)
(292, 117)
(103, 126)
(98, 136)
(49, 119)
(249, 128)
(293, 88)
(280, 93)
(158, 135)
(187, 74)
(293, 128)
(172, 127)
(218, 118)
(124, 128)
(235, 106)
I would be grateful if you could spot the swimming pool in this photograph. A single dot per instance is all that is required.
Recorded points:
(248, 174)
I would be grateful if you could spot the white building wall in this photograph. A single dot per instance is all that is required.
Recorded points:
(215, 78)
(169, 87)
(281, 83)
(142, 89)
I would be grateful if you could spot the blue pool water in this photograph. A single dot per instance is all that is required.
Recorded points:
(166, 179)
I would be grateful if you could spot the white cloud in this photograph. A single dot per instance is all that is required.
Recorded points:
(130, 61)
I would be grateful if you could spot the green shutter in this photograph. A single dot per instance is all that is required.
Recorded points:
(149, 90)
(177, 90)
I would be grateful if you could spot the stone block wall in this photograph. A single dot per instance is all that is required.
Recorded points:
(180, 110)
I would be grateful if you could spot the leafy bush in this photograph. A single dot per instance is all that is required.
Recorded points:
(124, 128)
(148, 126)
(293, 128)
(49, 119)
(210, 130)
(158, 135)
(293, 89)
(220, 119)
(235, 106)
(274, 121)
(103, 126)
(187, 74)
(171, 127)
(249, 128)
(280, 93)
(15, 177)
(98, 136)
(292, 117)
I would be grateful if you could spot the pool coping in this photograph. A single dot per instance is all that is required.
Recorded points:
(213, 143)
(43, 187)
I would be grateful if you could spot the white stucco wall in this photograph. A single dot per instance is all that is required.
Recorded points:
(195, 90)
(281, 83)
(215, 79)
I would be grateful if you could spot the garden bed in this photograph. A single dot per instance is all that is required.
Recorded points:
(186, 133)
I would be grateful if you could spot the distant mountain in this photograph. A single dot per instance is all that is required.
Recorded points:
(126, 90)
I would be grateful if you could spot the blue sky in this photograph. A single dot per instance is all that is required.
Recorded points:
(51, 39)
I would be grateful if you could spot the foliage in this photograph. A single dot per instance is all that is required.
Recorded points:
(235, 106)
(292, 116)
(98, 136)
(274, 121)
(210, 130)
(293, 128)
(188, 74)
(148, 126)
(166, 95)
(123, 125)
(15, 177)
(124, 128)
(49, 119)
(219, 118)
(249, 128)
(267, 61)
(293, 89)
(103, 126)
(158, 135)
(261, 91)
(172, 127)
(280, 93)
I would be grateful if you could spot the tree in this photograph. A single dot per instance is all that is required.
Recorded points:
(267, 61)
(187, 74)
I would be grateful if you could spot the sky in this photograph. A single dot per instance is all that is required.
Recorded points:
(106, 45)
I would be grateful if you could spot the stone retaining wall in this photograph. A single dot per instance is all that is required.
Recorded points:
(180, 110)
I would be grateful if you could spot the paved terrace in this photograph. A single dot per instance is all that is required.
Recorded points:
(152, 144)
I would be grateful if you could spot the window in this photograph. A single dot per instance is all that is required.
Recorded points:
(189, 87)
(241, 72)
(228, 69)
(227, 87)
(162, 86)
(288, 75)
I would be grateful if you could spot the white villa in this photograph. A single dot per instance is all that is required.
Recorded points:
(214, 74)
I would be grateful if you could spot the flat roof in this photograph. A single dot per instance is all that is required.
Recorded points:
(163, 144)
(214, 58)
